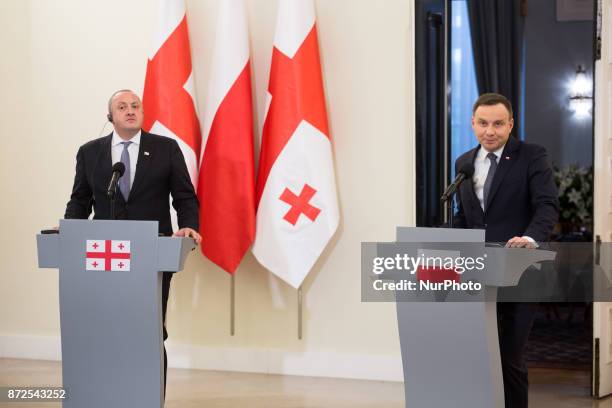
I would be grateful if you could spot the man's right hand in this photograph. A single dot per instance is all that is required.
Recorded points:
(521, 242)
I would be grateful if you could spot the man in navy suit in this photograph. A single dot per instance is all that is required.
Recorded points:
(513, 197)
(155, 170)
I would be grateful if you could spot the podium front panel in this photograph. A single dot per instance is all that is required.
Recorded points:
(110, 310)
(450, 350)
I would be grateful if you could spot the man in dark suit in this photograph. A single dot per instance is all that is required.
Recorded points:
(513, 197)
(155, 169)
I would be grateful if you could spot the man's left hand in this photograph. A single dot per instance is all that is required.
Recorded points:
(521, 242)
(188, 232)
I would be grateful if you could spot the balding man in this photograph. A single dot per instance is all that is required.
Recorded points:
(155, 170)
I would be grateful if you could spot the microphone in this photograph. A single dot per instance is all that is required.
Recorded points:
(118, 170)
(466, 172)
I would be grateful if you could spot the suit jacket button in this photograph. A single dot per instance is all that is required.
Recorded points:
(486, 225)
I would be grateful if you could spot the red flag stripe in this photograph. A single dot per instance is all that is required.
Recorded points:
(226, 183)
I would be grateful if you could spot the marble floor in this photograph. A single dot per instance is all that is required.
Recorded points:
(217, 389)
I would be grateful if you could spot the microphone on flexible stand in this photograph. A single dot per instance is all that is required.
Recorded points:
(465, 173)
(111, 191)
(118, 170)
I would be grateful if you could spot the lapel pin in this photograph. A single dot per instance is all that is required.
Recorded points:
(146, 153)
(507, 157)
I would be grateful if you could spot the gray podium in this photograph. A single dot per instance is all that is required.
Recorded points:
(450, 347)
(110, 308)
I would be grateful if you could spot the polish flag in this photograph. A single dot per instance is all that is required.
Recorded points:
(435, 266)
(226, 186)
(169, 96)
(296, 191)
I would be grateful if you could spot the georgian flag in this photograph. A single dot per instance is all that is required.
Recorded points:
(107, 255)
(296, 191)
(169, 94)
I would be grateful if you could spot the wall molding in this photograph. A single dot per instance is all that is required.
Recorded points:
(251, 360)
(31, 347)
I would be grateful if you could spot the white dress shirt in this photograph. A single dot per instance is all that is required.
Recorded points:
(482, 164)
(117, 149)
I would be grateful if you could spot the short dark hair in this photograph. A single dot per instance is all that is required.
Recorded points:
(490, 99)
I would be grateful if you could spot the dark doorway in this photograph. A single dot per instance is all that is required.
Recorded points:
(431, 105)
(553, 52)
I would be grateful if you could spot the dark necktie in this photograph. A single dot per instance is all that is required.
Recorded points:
(489, 180)
(124, 181)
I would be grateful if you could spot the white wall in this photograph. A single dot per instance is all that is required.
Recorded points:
(62, 60)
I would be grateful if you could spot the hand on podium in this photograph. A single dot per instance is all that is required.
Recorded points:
(188, 232)
(521, 242)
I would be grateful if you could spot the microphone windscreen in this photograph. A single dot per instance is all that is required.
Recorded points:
(120, 167)
(468, 170)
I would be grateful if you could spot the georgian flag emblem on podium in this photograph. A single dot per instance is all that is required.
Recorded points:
(107, 255)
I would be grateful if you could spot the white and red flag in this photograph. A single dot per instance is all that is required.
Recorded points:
(107, 255)
(297, 211)
(169, 97)
(226, 186)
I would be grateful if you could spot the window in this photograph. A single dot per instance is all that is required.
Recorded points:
(464, 90)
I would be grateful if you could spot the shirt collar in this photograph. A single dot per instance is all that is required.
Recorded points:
(116, 139)
(482, 153)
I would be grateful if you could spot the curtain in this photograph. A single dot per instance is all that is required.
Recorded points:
(497, 40)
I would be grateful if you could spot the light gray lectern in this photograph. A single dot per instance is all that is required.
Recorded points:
(110, 308)
(450, 348)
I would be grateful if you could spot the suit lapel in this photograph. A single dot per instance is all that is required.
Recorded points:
(506, 161)
(144, 160)
(104, 164)
(469, 184)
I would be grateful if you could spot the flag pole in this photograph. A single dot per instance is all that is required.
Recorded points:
(233, 305)
(299, 299)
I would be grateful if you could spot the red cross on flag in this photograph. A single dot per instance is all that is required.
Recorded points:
(169, 97)
(297, 210)
(226, 186)
(107, 255)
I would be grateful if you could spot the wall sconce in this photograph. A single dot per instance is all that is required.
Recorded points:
(581, 100)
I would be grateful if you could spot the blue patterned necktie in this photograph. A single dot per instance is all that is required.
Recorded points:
(489, 180)
(124, 181)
